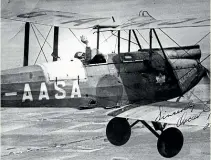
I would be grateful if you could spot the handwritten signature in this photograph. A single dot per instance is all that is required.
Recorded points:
(184, 118)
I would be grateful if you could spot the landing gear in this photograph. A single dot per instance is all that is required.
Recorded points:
(169, 143)
(118, 131)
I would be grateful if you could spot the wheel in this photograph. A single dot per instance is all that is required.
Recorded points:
(170, 142)
(118, 131)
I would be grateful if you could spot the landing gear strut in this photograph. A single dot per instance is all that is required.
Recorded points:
(169, 143)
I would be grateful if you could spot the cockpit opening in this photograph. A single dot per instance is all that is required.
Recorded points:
(86, 58)
(98, 58)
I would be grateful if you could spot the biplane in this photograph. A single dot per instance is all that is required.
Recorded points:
(139, 83)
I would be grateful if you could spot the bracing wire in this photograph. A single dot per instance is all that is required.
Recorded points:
(131, 36)
(42, 36)
(202, 38)
(173, 41)
(115, 44)
(197, 97)
(179, 45)
(205, 58)
(125, 39)
(142, 37)
(108, 37)
(76, 37)
(105, 39)
(41, 47)
(17, 33)
(193, 68)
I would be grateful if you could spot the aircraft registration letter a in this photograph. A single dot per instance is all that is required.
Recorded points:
(27, 93)
(43, 92)
(75, 90)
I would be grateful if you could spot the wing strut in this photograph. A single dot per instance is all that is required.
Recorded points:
(98, 39)
(150, 45)
(118, 41)
(26, 44)
(55, 43)
(137, 39)
(129, 40)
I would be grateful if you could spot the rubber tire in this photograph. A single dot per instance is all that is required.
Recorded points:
(170, 142)
(118, 131)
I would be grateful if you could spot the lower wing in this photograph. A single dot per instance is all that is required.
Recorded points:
(177, 113)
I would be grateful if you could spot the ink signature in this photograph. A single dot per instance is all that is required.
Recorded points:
(161, 116)
(184, 118)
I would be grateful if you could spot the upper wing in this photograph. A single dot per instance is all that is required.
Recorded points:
(146, 21)
(179, 113)
(80, 21)
(54, 18)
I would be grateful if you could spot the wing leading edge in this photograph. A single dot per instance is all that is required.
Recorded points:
(176, 113)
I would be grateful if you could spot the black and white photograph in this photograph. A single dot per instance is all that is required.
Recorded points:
(105, 79)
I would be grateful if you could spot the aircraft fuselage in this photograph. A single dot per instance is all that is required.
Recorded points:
(124, 79)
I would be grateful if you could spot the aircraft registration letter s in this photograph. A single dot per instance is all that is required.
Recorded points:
(62, 92)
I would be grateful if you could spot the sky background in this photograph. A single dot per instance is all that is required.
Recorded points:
(12, 32)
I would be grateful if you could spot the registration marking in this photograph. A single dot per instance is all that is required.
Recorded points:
(11, 94)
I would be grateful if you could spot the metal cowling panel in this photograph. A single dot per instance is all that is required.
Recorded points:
(64, 70)
(23, 75)
(194, 53)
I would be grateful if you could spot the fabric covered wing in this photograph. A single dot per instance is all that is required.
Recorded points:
(179, 113)
(147, 22)
(53, 18)
(80, 21)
